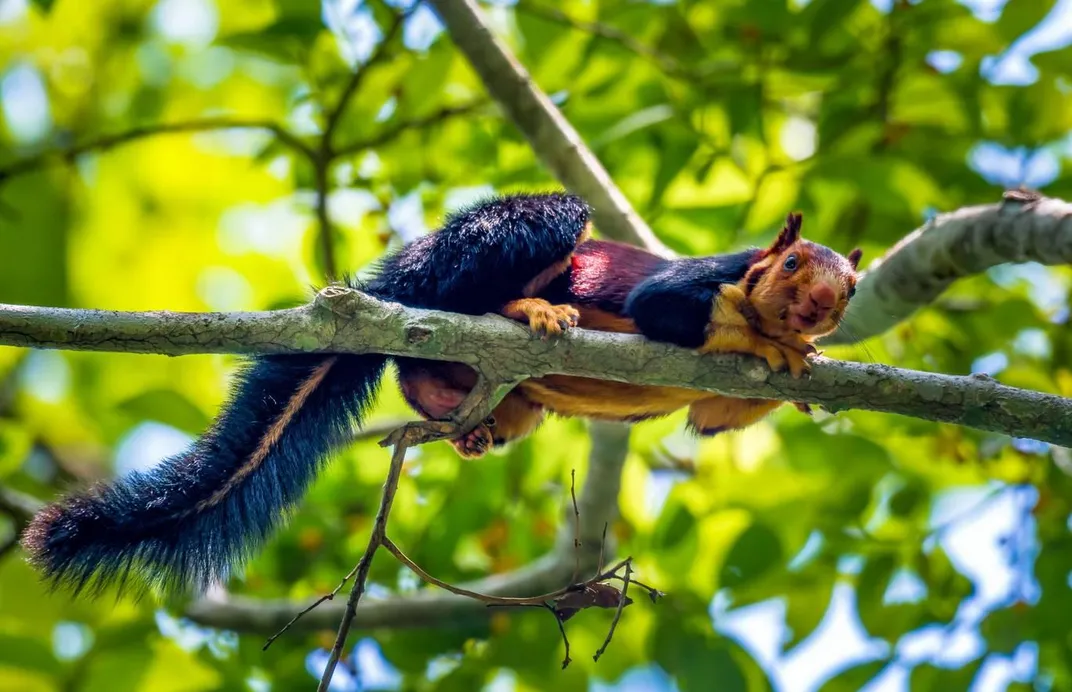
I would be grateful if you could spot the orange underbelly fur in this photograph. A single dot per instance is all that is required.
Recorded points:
(604, 399)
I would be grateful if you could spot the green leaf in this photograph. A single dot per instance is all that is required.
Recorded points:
(814, 449)
(166, 406)
(288, 38)
(677, 147)
(696, 656)
(908, 498)
(421, 90)
(27, 653)
(1052, 567)
(675, 523)
(927, 677)
(806, 605)
(854, 678)
(757, 550)
(634, 122)
(822, 16)
(745, 106)
(874, 580)
(540, 35)
(880, 620)
(15, 445)
(34, 220)
(1020, 16)
(855, 499)
(1007, 628)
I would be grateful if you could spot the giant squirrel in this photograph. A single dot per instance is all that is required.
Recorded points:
(193, 518)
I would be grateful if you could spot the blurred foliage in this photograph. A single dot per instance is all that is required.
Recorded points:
(801, 553)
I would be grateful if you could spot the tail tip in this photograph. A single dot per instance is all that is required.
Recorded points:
(37, 537)
(50, 546)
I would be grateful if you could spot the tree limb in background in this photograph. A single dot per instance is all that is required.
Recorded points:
(342, 320)
(597, 505)
(20, 508)
(665, 63)
(1025, 227)
(704, 74)
(395, 130)
(552, 137)
(325, 154)
(105, 142)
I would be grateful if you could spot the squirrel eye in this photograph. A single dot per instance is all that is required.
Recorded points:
(852, 291)
(790, 263)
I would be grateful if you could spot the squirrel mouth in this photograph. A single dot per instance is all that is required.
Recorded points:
(803, 322)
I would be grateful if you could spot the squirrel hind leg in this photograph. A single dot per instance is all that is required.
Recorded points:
(433, 390)
(514, 418)
(716, 414)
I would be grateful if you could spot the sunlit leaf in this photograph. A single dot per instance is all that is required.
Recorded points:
(757, 550)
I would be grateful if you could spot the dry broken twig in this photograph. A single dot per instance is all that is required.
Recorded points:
(473, 409)
(563, 603)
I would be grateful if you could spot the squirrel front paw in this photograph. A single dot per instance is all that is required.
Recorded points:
(543, 318)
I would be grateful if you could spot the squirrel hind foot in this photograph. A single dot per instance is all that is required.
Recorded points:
(475, 443)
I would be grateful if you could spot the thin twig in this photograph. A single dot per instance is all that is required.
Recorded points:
(653, 593)
(670, 66)
(326, 597)
(566, 660)
(19, 506)
(393, 132)
(105, 142)
(475, 407)
(553, 138)
(378, 429)
(498, 601)
(390, 487)
(327, 241)
(326, 153)
(353, 84)
(618, 613)
(602, 547)
(576, 527)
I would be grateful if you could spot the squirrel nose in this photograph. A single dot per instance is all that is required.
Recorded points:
(823, 298)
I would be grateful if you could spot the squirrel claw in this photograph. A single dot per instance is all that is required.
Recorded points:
(553, 320)
(780, 356)
(475, 443)
(798, 363)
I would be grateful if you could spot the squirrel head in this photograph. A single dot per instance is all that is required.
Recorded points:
(797, 286)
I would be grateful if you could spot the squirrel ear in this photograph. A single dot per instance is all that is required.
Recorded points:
(789, 235)
(854, 257)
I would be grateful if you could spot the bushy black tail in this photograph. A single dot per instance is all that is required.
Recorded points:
(192, 519)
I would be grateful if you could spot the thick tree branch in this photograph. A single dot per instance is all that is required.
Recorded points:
(433, 608)
(552, 137)
(951, 246)
(342, 320)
